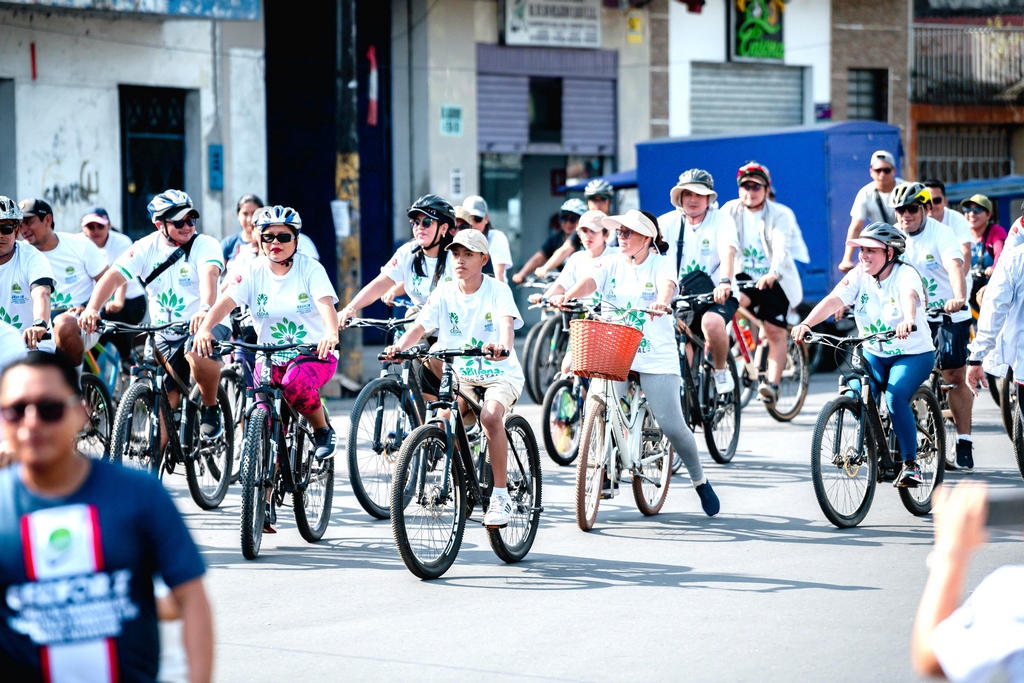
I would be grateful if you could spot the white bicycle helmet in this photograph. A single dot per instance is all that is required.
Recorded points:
(171, 203)
(277, 215)
(599, 188)
(9, 210)
(575, 206)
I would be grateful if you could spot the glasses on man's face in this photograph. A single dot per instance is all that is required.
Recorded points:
(47, 410)
(624, 233)
(424, 222)
(973, 208)
(912, 209)
(938, 200)
(180, 225)
(478, 219)
(282, 237)
(569, 217)
(752, 187)
(8, 228)
(882, 170)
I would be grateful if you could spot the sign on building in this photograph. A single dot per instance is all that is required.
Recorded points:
(451, 120)
(553, 23)
(755, 31)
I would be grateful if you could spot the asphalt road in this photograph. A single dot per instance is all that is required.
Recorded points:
(766, 591)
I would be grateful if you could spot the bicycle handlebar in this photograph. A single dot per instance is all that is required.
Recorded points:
(447, 355)
(388, 323)
(534, 282)
(229, 345)
(114, 326)
(840, 342)
(688, 301)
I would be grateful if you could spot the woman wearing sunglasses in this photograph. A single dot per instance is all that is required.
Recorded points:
(987, 237)
(419, 265)
(639, 277)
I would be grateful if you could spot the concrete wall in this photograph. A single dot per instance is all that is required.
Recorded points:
(67, 127)
(704, 38)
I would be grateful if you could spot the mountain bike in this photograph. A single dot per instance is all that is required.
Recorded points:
(718, 415)
(278, 456)
(443, 474)
(533, 282)
(386, 410)
(145, 410)
(1007, 400)
(751, 351)
(854, 446)
(562, 407)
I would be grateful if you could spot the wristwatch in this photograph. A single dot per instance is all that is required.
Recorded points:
(40, 322)
(973, 362)
(725, 281)
(205, 308)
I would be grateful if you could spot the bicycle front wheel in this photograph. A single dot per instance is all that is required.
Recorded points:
(548, 350)
(1018, 439)
(94, 440)
(208, 461)
(931, 450)
(513, 543)
(312, 505)
(721, 416)
(377, 427)
(527, 360)
(654, 474)
(255, 460)
(562, 422)
(429, 522)
(796, 378)
(1007, 401)
(590, 466)
(842, 471)
(136, 437)
(233, 383)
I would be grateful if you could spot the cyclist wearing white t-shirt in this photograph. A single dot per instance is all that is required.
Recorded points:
(500, 254)
(940, 211)
(640, 277)
(77, 265)
(872, 201)
(26, 279)
(935, 252)
(476, 310)
(182, 268)
(418, 266)
(886, 294)
(704, 239)
(593, 236)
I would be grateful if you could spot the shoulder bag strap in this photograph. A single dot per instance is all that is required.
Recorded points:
(891, 219)
(175, 256)
(679, 242)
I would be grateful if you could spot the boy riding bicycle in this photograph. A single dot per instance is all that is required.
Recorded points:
(475, 310)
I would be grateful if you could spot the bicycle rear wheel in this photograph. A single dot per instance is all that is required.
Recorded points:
(513, 543)
(378, 425)
(208, 463)
(312, 505)
(931, 450)
(1007, 401)
(94, 440)
(653, 476)
(428, 524)
(591, 464)
(562, 422)
(548, 351)
(527, 360)
(255, 460)
(721, 416)
(136, 436)
(796, 378)
(843, 473)
(233, 383)
(1018, 439)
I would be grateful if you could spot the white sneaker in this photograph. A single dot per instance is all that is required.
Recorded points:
(499, 512)
(723, 382)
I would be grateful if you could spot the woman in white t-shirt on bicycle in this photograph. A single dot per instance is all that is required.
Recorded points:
(418, 266)
(641, 277)
(887, 294)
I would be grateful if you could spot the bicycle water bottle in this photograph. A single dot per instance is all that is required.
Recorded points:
(108, 364)
(745, 332)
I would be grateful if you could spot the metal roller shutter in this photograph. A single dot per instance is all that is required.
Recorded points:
(503, 113)
(588, 116)
(724, 96)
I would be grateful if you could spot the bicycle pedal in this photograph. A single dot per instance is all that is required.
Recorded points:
(494, 526)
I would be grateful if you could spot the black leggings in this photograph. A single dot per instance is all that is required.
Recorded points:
(133, 313)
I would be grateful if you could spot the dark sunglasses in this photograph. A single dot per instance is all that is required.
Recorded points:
(938, 200)
(752, 187)
(569, 217)
(282, 237)
(479, 219)
(424, 222)
(94, 226)
(912, 209)
(178, 225)
(974, 208)
(624, 233)
(7, 229)
(46, 410)
(882, 171)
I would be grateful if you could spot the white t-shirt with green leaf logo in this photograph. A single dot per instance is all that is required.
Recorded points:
(753, 257)
(463, 320)
(401, 269)
(28, 265)
(928, 251)
(283, 307)
(700, 242)
(623, 286)
(880, 308)
(76, 262)
(174, 295)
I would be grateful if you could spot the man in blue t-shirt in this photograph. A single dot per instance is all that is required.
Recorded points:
(80, 541)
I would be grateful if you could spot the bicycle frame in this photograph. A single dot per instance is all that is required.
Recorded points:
(621, 431)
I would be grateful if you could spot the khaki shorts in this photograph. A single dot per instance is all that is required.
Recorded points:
(499, 390)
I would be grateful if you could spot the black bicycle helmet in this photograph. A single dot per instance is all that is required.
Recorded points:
(435, 207)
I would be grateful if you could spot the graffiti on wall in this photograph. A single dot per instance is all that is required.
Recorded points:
(70, 194)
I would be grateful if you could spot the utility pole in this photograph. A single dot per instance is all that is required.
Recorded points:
(346, 181)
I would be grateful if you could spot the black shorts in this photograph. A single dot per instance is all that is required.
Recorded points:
(726, 310)
(769, 305)
(951, 340)
(173, 351)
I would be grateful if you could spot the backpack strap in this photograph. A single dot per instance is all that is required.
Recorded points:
(176, 255)
(679, 242)
(889, 218)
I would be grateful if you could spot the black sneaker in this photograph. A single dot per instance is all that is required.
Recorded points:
(210, 424)
(609, 489)
(269, 519)
(965, 454)
(323, 439)
(910, 477)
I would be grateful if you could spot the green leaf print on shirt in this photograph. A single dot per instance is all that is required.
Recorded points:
(170, 305)
(5, 316)
(875, 328)
(930, 287)
(287, 332)
(479, 361)
(690, 267)
(60, 302)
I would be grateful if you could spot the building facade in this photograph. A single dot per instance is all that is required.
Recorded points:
(108, 103)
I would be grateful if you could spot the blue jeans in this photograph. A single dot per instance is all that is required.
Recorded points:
(901, 376)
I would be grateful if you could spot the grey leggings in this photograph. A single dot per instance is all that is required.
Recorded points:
(662, 392)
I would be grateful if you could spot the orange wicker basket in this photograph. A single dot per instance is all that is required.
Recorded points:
(603, 350)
